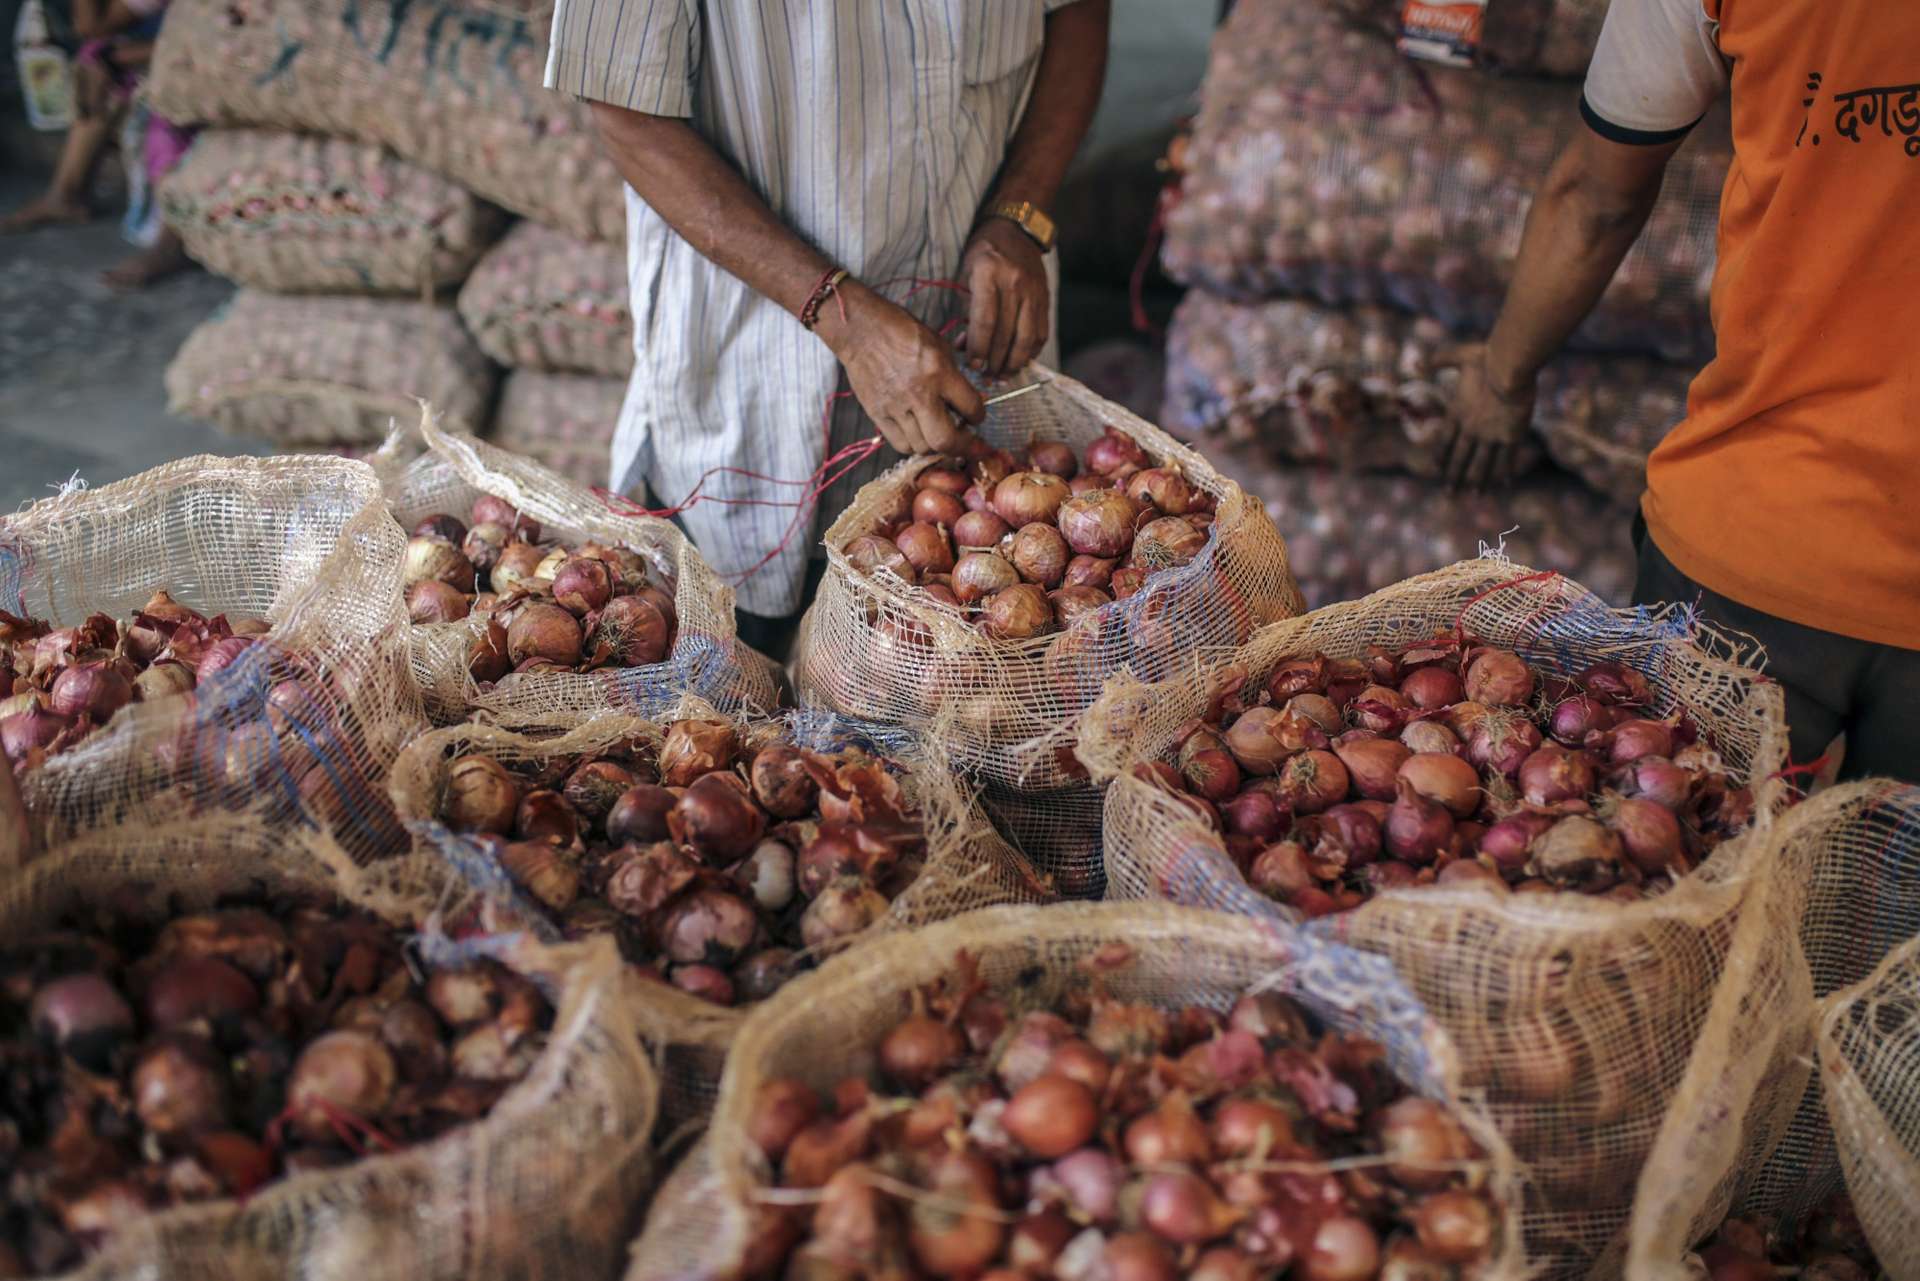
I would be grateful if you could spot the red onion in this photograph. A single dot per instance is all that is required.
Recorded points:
(981, 574)
(1280, 871)
(1182, 1208)
(1373, 764)
(1051, 1116)
(1318, 709)
(1456, 1227)
(1162, 488)
(870, 554)
(1088, 571)
(93, 690)
(1070, 604)
(1127, 580)
(1509, 842)
(703, 981)
(1429, 736)
(1578, 853)
(1468, 872)
(1040, 554)
(1380, 708)
(1498, 677)
(545, 631)
(437, 559)
(1256, 740)
(937, 507)
(1343, 1248)
(348, 1072)
(1298, 676)
(781, 783)
(782, 1107)
(1616, 685)
(1212, 773)
(1312, 780)
(82, 1014)
(1017, 613)
(1029, 497)
(1113, 451)
(918, 1049)
(949, 1243)
(640, 815)
(480, 796)
(1628, 741)
(1576, 717)
(1554, 774)
(483, 546)
(1030, 1048)
(1416, 829)
(1166, 543)
(976, 500)
(926, 548)
(1054, 457)
(1171, 1134)
(979, 530)
(582, 585)
(487, 656)
(707, 927)
(1254, 814)
(1649, 833)
(1431, 687)
(1098, 523)
(1502, 741)
(221, 655)
(432, 601)
(489, 508)
(951, 480)
(180, 1087)
(716, 815)
(1659, 780)
(1354, 830)
(843, 909)
(634, 631)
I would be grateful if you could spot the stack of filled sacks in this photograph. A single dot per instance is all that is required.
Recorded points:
(1326, 165)
(372, 154)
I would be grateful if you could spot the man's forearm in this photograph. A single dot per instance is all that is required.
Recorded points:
(1066, 89)
(1586, 217)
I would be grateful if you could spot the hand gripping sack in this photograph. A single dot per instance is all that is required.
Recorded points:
(877, 648)
(1576, 1016)
(966, 864)
(327, 371)
(295, 213)
(562, 421)
(829, 1023)
(541, 1186)
(453, 86)
(308, 718)
(547, 301)
(1327, 165)
(707, 660)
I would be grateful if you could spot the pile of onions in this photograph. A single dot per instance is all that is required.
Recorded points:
(1449, 766)
(1829, 1246)
(148, 1069)
(712, 865)
(1024, 544)
(59, 685)
(1115, 1140)
(533, 606)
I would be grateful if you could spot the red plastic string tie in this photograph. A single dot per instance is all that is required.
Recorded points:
(1460, 619)
(1811, 768)
(1137, 279)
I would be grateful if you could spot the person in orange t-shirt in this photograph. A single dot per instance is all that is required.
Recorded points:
(1787, 503)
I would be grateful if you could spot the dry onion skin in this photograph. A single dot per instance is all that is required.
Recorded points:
(1829, 1246)
(151, 1067)
(1452, 766)
(715, 867)
(1043, 517)
(536, 606)
(1103, 1138)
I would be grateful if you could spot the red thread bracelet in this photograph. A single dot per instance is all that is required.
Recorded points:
(829, 283)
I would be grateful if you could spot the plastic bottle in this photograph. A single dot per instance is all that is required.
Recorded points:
(46, 75)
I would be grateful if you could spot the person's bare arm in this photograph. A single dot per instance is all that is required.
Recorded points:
(905, 376)
(1002, 268)
(1585, 218)
(98, 19)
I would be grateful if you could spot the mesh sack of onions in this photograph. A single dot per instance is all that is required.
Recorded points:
(224, 1057)
(1372, 389)
(1324, 164)
(1517, 37)
(1550, 815)
(452, 87)
(542, 299)
(1055, 590)
(1349, 534)
(584, 610)
(294, 213)
(723, 856)
(562, 421)
(1058, 828)
(1831, 928)
(327, 371)
(214, 634)
(1100, 1090)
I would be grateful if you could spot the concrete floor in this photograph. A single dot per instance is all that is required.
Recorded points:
(81, 366)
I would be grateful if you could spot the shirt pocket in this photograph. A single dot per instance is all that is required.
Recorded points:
(998, 37)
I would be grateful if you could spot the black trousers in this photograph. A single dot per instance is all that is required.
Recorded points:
(1833, 683)
(774, 636)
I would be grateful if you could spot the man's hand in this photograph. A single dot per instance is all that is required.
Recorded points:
(1491, 417)
(903, 374)
(1006, 275)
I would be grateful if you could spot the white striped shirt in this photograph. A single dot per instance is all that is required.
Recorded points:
(872, 128)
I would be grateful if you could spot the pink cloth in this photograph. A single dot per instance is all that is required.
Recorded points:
(167, 143)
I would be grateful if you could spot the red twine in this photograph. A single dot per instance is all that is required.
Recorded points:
(1137, 280)
(1460, 619)
(348, 1127)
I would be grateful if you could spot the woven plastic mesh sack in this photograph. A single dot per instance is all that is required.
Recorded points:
(541, 1186)
(453, 86)
(1325, 164)
(967, 865)
(542, 299)
(562, 421)
(309, 718)
(707, 659)
(1057, 828)
(1349, 533)
(1517, 37)
(877, 648)
(294, 213)
(829, 1024)
(327, 371)
(1368, 388)
(1843, 897)
(1870, 1063)
(1576, 1016)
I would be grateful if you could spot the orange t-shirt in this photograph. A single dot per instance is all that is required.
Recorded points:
(1793, 485)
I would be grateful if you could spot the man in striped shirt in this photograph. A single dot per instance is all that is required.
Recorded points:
(767, 145)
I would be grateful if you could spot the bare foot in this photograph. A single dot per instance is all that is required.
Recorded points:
(47, 211)
(146, 267)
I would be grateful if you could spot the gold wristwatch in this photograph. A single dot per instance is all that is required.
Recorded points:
(1027, 216)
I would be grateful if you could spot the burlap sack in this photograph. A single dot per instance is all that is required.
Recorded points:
(707, 659)
(305, 543)
(1350, 534)
(1325, 164)
(542, 299)
(452, 86)
(1577, 1016)
(562, 421)
(327, 371)
(1870, 1060)
(1823, 937)
(828, 1024)
(1371, 389)
(1518, 37)
(967, 865)
(542, 1186)
(294, 213)
(861, 652)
